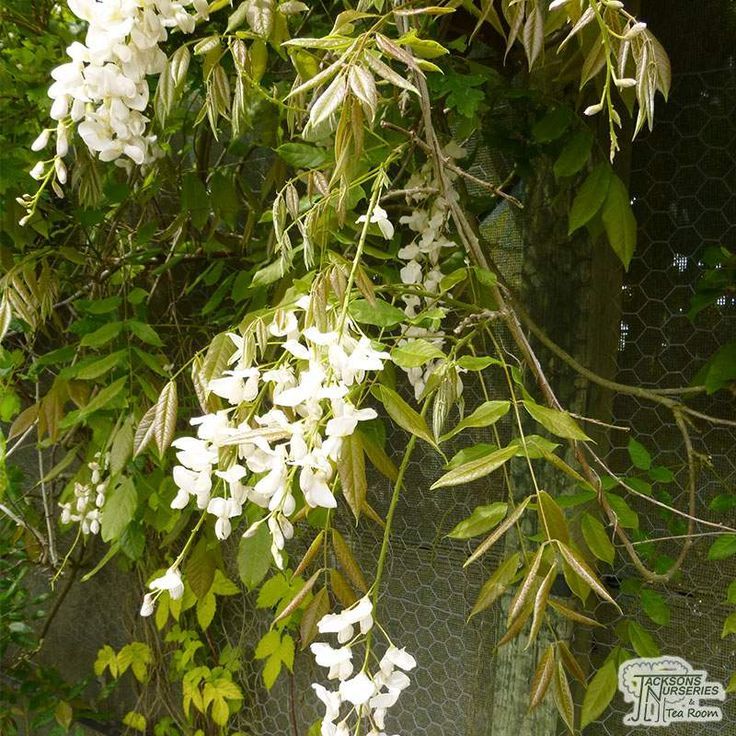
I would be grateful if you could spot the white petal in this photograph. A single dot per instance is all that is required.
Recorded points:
(357, 690)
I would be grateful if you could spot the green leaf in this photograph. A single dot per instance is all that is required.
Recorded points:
(720, 371)
(137, 655)
(473, 363)
(415, 353)
(98, 401)
(401, 413)
(63, 714)
(119, 509)
(271, 670)
(723, 547)
(590, 197)
(303, 155)
(729, 626)
(200, 569)
(206, 608)
(552, 125)
(642, 641)
(102, 336)
(574, 155)
(482, 520)
(144, 332)
(486, 414)
(99, 367)
(731, 593)
(379, 314)
(134, 720)
(254, 557)
(555, 421)
(268, 644)
(660, 474)
(655, 606)
(106, 659)
(599, 693)
(552, 518)
(597, 538)
(625, 515)
(475, 469)
(619, 221)
(639, 455)
(99, 306)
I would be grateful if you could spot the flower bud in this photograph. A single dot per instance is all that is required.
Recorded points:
(42, 141)
(635, 30)
(37, 172)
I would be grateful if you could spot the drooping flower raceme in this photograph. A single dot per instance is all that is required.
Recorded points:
(89, 498)
(421, 269)
(278, 436)
(103, 88)
(363, 696)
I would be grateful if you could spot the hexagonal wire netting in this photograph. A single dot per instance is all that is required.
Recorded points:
(684, 187)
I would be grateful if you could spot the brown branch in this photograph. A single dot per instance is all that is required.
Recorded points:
(447, 162)
(471, 242)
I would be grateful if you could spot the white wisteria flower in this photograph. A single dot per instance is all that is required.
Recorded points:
(103, 88)
(343, 624)
(369, 694)
(379, 217)
(170, 582)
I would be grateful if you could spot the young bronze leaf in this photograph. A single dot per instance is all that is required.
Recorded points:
(497, 584)
(489, 541)
(351, 467)
(542, 678)
(378, 457)
(164, 422)
(571, 663)
(348, 562)
(144, 431)
(310, 554)
(525, 589)
(581, 569)
(518, 624)
(572, 614)
(563, 698)
(299, 598)
(540, 603)
(317, 608)
(341, 589)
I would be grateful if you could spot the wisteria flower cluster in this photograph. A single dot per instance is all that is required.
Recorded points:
(361, 696)
(286, 421)
(429, 220)
(89, 498)
(103, 89)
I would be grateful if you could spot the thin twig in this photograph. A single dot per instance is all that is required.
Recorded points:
(53, 559)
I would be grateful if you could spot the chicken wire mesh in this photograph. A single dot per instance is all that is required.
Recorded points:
(683, 186)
